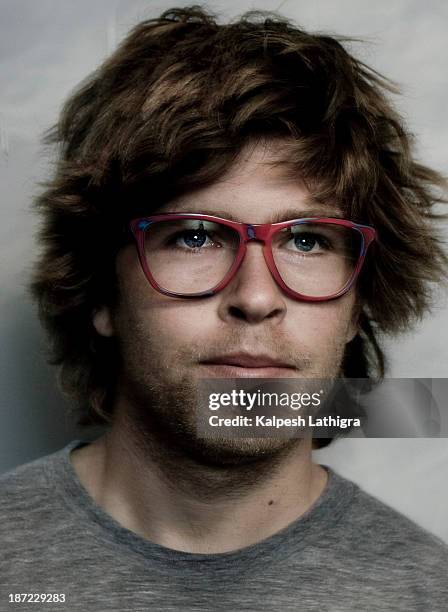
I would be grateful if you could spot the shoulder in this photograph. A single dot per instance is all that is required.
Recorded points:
(373, 528)
(27, 493)
(381, 553)
(29, 476)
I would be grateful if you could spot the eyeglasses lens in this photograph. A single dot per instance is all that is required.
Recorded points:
(190, 255)
(316, 259)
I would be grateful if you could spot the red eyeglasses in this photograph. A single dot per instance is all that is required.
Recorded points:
(190, 255)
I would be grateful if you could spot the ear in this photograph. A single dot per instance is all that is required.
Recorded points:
(353, 325)
(352, 330)
(102, 321)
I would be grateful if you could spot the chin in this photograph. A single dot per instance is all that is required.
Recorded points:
(225, 452)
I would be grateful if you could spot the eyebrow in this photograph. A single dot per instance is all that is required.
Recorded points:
(278, 215)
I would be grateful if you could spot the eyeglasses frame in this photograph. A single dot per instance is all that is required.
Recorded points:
(260, 232)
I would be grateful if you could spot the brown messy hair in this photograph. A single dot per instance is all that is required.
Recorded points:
(168, 112)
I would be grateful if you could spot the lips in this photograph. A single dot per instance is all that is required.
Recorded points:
(245, 365)
(245, 360)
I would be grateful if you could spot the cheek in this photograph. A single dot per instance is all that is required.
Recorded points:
(324, 325)
(183, 324)
(146, 313)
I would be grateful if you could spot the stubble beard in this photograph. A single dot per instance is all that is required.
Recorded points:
(161, 412)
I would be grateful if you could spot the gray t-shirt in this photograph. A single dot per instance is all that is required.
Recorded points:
(349, 552)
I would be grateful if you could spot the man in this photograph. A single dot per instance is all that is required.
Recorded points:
(161, 267)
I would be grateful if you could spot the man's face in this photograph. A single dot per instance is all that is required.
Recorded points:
(164, 341)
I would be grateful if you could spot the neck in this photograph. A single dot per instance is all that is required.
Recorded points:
(178, 502)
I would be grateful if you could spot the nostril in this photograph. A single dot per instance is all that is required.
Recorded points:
(238, 313)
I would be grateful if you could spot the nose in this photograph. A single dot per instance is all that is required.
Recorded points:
(253, 294)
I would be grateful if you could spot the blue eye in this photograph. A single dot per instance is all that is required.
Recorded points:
(305, 242)
(310, 242)
(194, 238)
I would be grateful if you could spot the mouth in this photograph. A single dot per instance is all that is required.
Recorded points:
(245, 365)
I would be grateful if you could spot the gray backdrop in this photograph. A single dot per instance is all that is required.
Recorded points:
(47, 47)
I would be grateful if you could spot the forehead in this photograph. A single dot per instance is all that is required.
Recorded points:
(258, 188)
